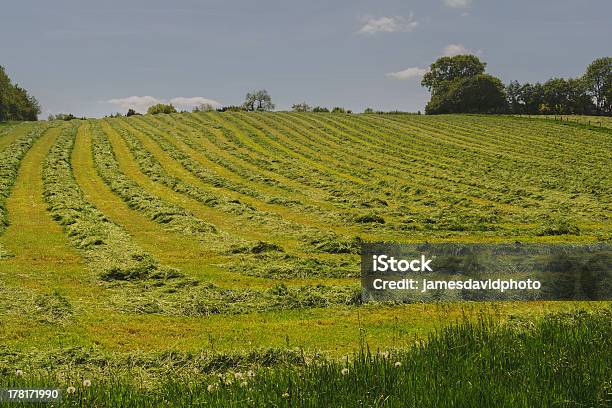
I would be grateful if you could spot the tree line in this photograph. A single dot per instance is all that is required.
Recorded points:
(15, 102)
(459, 84)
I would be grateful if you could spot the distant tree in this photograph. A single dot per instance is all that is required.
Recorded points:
(531, 97)
(258, 101)
(338, 109)
(481, 93)
(131, 112)
(204, 107)
(161, 108)
(230, 108)
(447, 69)
(301, 107)
(368, 110)
(15, 102)
(459, 85)
(320, 109)
(598, 82)
(566, 97)
(62, 116)
(513, 93)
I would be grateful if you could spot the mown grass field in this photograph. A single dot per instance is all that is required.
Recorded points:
(240, 232)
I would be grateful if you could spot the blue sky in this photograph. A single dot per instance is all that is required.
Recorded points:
(96, 57)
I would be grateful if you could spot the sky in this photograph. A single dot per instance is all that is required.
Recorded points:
(93, 58)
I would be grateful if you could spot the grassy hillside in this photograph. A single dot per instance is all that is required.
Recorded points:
(235, 231)
(232, 232)
(166, 257)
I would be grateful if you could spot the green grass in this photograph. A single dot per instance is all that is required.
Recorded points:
(290, 197)
(560, 360)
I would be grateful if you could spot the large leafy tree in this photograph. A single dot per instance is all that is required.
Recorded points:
(258, 101)
(15, 102)
(447, 69)
(598, 80)
(459, 85)
(480, 93)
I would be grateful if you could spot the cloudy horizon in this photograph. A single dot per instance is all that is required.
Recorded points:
(94, 59)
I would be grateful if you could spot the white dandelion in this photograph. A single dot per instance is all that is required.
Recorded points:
(345, 371)
(398, 364)
(238, 376)
(70, 390)
(86, 383)
(250, 374)
(19, 373)
(211, 387)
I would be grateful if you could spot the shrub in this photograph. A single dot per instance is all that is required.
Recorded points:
(161, 108)
(320, 109)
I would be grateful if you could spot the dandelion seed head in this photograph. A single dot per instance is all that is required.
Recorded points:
(345, 371)
(398, 364)
(70, 390)
(19, 373)
(238, 376)
(211, 387)
(87, 383)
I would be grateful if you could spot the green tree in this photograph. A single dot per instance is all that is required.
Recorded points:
(481, 93)
(161, 108)
(448, 69)
(598, 80)
(258, 101)
(301, 107)
(513, 92)
(15, 102)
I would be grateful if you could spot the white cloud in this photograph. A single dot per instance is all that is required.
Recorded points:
(138, 103)
(389, 25)
(456, 49)
(142, 103)
(408, 73)
(458, 3)
(182, 102)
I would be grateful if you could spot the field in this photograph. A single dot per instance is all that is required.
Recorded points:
(144, 242)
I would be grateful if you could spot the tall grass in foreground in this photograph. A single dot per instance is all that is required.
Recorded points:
(562, 360)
